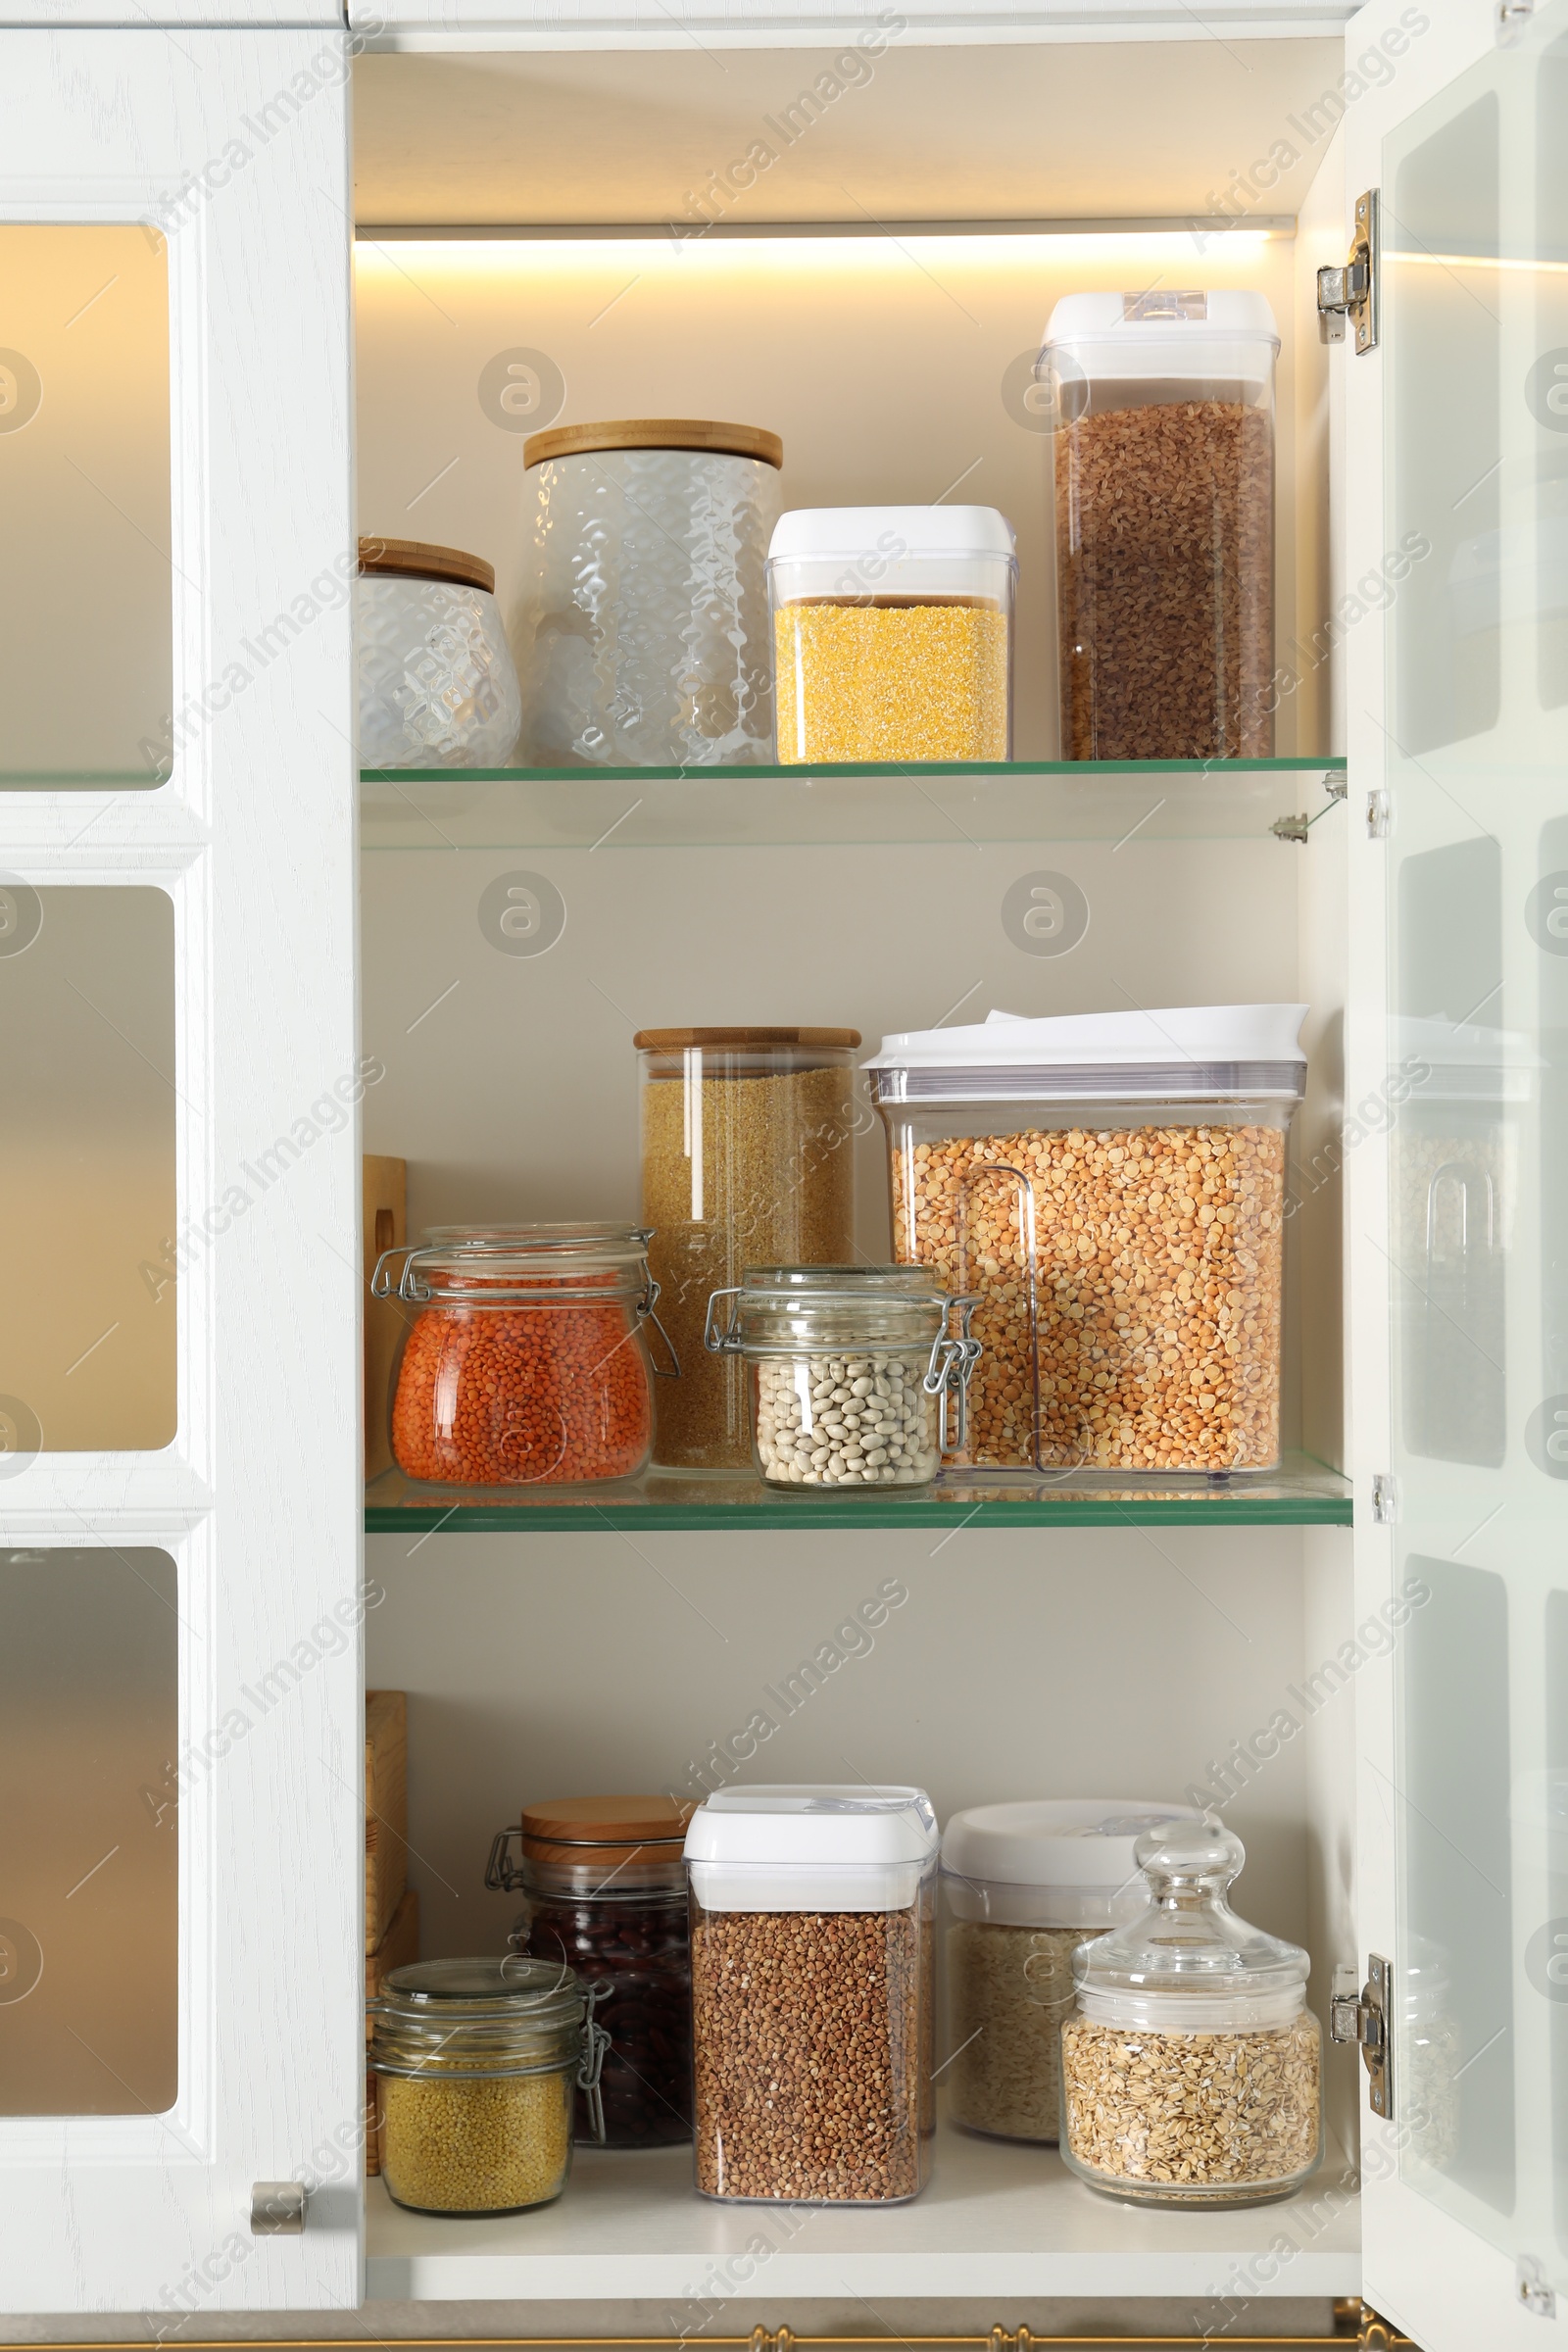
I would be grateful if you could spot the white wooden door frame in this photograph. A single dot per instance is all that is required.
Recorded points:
(259, 1499)
(1444, 2284)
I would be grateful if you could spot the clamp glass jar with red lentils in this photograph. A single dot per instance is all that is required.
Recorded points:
(528, 1363)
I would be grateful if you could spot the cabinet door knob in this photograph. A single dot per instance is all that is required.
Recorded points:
(278, 2208)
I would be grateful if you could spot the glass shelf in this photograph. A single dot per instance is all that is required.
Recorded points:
(1302, 1492)
(662, 808)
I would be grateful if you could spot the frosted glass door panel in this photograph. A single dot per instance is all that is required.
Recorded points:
(1475, 327)
(90, 1857)
(87, 1271)
(85, 588)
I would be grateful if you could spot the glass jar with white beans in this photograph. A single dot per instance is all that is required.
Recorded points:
(855, 1376)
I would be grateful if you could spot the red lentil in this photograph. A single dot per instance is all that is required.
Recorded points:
(514, 1395)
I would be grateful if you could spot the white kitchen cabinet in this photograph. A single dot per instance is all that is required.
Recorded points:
(533, 185)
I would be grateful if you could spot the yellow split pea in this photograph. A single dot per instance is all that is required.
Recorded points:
(892, 680)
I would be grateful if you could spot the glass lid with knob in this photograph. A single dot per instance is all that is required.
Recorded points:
(1187, 1960)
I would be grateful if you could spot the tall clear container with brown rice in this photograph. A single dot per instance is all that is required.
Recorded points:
(812, 1925)
(747, 1159)
(1112, 1187)
(1024, 1886)
(1162, 405)
(1192, 2067)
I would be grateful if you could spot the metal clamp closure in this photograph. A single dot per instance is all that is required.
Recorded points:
(645, 1314)
(947, 1374)
(501, 1875)
(595, 2043)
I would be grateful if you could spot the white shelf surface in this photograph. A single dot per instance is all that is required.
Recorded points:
(996, 2220)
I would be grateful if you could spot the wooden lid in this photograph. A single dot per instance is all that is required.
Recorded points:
(418, 560)
(669, 1041)
(606, 1819)
(655, 432)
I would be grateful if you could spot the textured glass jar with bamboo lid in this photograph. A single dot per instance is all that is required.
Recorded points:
(747, 1159)
(641, 632)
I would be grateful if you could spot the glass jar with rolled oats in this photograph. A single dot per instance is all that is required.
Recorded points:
(1191, 2065)
(1113, 1188)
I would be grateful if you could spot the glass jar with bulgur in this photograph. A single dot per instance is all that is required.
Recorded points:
(856, 1376)
(479, 2062)
(893, 633)
(1162, 405)
(812, 1992)
(529, 1362)
(747, 1157)
(1191, 2065)
(1113, 1186)
(1023, 1884)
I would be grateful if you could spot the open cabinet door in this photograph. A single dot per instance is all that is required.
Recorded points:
(181, 1740)
(1457, 542)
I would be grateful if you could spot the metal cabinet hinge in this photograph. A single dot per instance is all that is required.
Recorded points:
(1377, 816)
(1533, 2293)
(1385, 1499)
(1364, 2017)
(1351, 290)
(278, 2208)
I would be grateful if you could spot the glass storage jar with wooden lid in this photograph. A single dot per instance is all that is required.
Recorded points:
(437, 682)
(530, 1362)
(746, 1155)
(478, 2061)
(604, 1888)
(642, 627)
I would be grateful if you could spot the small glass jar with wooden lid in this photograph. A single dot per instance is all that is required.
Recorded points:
(437, 688)
(642, 631)
(748, 1146)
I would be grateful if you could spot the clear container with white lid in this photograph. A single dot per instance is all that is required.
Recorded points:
(1192, 2067)
(1023, 1885)
(893, 634)
(1164, 1134)
(1162, 404)
(812, 1992)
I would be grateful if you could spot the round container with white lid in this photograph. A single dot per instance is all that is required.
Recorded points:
(1023, 1884)
(1162, 405)
(893, 633)
(641, 632)
(437, 688)
(816, 1901)
(1163, 1133)
(1192, 2067)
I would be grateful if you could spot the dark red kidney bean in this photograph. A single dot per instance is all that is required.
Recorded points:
(639, 1949)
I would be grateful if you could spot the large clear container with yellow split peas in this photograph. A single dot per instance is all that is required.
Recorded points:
(893, 634)
(1112, 1187)
(477, 2064)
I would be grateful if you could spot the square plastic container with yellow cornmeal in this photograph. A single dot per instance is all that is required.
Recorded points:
(893, 634)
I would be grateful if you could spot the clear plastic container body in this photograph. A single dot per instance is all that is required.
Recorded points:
(604, 1888)
(437, 682)
(746, 1155)
(529, 1363)
(1192, 2067)
(824, 2096)
(893, 634)
(1164, 522)
(1128, 1261)
(854, 1377)
(642, 629)
(1009, 1943)
(478, 2062)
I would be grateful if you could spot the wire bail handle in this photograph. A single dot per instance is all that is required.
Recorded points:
(947, 1374)
(595, 2043)
(728, 1341)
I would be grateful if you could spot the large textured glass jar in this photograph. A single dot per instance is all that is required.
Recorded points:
(437, 688)
(1192, 2067)
(641, 632)
(604, 1888)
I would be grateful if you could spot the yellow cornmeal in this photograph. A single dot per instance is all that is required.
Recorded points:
(483, 2146)
(912, 681)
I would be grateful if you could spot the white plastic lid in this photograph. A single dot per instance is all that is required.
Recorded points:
(1181, 1054)
(1228, 336)
(847, 532)
(1049, 1862)
(799, 1847)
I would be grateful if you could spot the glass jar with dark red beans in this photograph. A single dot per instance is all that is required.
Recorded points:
(604, 1889)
